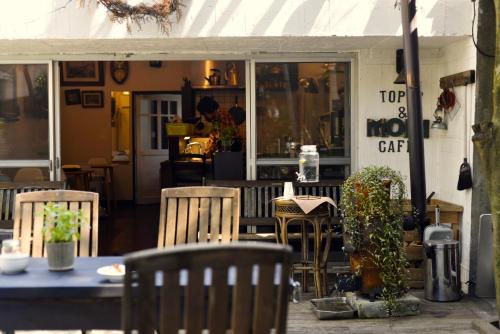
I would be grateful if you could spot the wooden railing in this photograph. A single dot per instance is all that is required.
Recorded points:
(257, 207)
(9, 190)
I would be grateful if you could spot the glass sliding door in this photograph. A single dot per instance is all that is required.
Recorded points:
(302, 103)
(26, 122)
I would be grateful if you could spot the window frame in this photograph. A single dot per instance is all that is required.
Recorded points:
(52, 133)
(351, 117)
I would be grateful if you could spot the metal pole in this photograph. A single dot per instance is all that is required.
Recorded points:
(414, 104)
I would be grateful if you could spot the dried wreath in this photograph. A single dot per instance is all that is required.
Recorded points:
(160, 12)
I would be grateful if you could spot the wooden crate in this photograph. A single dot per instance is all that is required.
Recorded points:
(451, 214)
(414, 251)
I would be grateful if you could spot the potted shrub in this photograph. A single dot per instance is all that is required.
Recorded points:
(61, 232)
(372, 210)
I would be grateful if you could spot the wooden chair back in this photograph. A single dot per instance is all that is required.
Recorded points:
(29, 218)
(233, 288)
(29, 174)
(9, 190)
(198, 214)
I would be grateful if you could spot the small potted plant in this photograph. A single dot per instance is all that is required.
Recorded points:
(372, 209)
(61, 232)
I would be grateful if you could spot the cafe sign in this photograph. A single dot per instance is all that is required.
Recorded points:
(392, 128)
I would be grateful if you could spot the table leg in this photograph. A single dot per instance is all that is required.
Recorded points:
(112, 185)
(107, 190)
(305, 255)
(277, 228)
(326, 251)
(318, 286)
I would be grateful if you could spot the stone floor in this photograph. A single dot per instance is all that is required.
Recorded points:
(453, 317)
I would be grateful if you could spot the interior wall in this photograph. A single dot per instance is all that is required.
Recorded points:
(444, 150)
(87, 132)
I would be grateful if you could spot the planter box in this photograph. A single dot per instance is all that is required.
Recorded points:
(416, 274)
(409, 236)
(414, 252)
(450, 214)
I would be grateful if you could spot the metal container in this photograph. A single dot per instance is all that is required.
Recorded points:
(332, 308)
(442, 270)
(485, 280)
(438, 231)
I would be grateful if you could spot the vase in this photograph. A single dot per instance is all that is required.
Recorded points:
(60, 255)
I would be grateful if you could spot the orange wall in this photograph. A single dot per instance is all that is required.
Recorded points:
(86, 132)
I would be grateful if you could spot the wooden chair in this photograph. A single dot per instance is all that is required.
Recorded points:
(29, 218)
(237, 299)
(29, 174)
(198, 214)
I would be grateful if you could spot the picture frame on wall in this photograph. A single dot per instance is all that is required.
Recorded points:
(72, 97)
(92, 99)
(82, 73)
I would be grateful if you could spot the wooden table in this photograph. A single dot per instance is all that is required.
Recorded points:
(81, 178)
(109, 188)
(80, 299)
(288, 211)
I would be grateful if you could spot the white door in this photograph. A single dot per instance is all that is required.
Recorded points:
(152, 113)
(27, 136)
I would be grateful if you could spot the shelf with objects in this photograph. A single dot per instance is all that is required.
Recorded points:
(302, 104)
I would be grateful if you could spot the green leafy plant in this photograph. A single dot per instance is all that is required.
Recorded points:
(372, 209)
(61, 224)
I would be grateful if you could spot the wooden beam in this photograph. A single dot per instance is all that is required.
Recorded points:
(458, 79)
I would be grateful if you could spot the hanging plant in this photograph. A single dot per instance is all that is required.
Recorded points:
(160, 11)
(372, 210)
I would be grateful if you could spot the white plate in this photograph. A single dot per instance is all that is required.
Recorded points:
(111, 274)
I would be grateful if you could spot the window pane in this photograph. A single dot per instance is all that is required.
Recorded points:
(24, 110)
(173, 108)
(154, 132)
(164, 136)
(302, 104)
(164, 107)
(24, 174)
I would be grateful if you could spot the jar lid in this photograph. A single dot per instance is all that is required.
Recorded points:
(308, 148)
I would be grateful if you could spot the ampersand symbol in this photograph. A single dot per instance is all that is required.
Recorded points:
(402, 112)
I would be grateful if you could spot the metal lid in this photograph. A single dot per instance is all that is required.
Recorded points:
(443, 243)
(308, 148)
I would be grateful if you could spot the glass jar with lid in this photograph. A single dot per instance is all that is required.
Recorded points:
(308, 164)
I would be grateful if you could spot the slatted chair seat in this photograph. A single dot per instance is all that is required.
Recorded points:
(29, 219)
(253, 300)
(198, 214)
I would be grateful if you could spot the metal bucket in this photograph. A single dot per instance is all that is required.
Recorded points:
(442, 270)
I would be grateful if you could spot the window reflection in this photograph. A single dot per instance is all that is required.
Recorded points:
(302, 104)
(24, 111)
(299, 104)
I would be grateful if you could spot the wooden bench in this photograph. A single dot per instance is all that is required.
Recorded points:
(8, 192)
(257, 208)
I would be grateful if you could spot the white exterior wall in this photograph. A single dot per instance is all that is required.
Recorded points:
(444, 150)
(49, 19)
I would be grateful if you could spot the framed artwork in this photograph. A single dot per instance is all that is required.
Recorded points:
(119, 71)
(92, 99)
(82, 73)
(72, 97)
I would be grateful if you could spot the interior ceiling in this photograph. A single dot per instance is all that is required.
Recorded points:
(175, 47)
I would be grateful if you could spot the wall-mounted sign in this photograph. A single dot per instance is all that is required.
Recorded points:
(393, 127)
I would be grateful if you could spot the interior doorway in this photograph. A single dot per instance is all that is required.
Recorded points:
(152, 113)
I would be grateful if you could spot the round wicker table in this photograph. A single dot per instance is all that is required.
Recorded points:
(288, 211)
